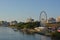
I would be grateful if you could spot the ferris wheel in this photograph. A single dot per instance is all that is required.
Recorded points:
(43, 18)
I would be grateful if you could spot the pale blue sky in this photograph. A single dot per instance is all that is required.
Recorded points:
(20, 10)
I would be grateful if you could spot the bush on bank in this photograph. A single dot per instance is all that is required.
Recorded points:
(56, 35)
(29, 25)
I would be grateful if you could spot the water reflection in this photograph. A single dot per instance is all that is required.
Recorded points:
(9, 34)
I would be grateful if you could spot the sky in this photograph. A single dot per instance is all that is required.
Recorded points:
(20, 10)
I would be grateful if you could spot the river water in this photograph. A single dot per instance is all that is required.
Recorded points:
(9, 34)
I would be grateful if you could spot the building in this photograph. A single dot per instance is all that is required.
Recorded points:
(58, 19)
(4, 23)
(13, 22)
(30, 20)
(51, 20)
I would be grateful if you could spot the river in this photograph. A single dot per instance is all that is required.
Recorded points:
(7, 33)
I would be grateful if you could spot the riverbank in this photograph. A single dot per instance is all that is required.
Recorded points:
(52, 35)
(7, 33)
(33, 31)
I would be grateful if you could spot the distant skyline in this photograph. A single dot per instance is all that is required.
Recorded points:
(20, 10)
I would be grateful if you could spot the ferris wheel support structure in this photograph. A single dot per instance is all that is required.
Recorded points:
(43, 18)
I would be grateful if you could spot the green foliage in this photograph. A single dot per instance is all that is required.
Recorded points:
(20, 25)
(28, 25)
(55, 35)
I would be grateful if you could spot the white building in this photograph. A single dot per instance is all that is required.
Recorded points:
(51, 20)
(30, 20)
(13, 22)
